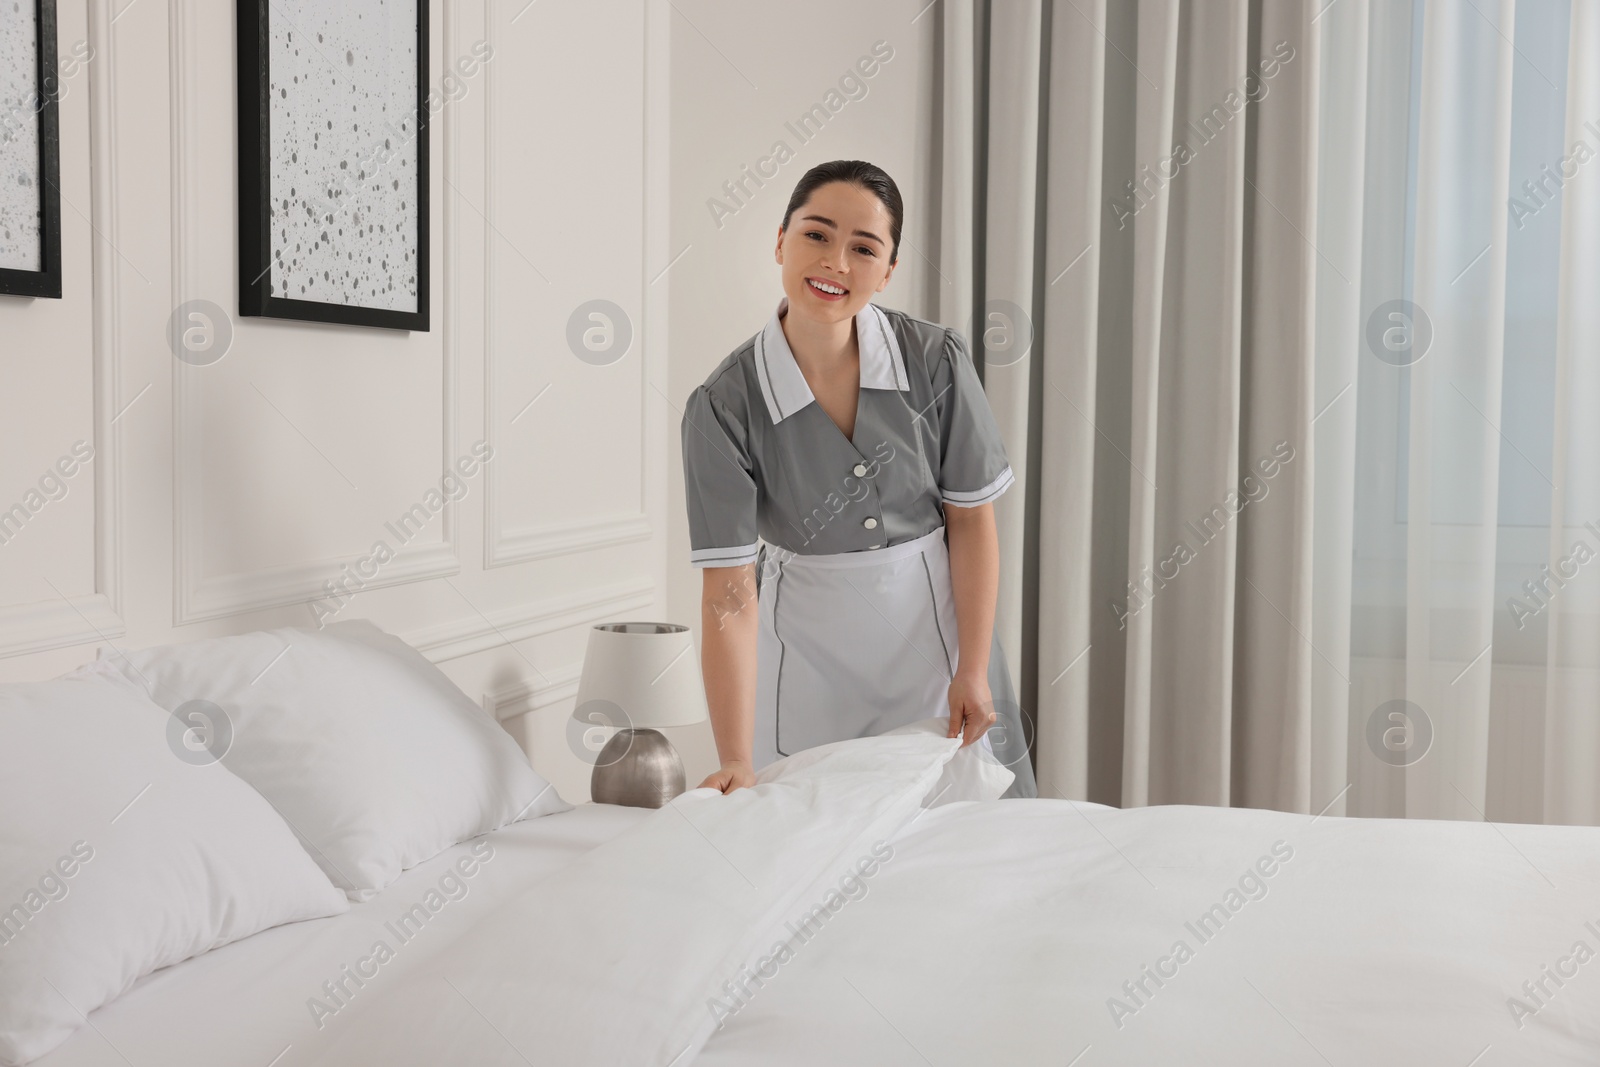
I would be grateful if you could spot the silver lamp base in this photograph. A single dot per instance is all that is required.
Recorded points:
(639, 768)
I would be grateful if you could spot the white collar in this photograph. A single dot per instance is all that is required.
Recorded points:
(784, 387)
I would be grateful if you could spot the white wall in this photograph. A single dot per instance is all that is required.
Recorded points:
(221, 498)
(742, 75)
(577, 165)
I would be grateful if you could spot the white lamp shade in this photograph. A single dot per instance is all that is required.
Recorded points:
(648, 670)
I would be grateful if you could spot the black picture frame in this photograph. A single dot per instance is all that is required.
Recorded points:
(46, 281)
(256, 194)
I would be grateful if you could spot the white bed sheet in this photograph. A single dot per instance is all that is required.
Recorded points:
(244, 1005)
(999, 932)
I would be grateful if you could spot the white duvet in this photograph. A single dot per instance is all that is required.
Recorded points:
(825, 917)
(617, 960)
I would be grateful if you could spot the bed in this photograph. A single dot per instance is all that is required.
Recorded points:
(992, 932)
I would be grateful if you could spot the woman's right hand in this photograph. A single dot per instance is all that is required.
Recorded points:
(734, 774)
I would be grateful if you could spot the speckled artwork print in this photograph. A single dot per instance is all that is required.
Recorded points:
(343, 120)
(19, 137)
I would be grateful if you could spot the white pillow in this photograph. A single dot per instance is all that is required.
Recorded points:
(371, 754)
(117, 857)
(973, 773)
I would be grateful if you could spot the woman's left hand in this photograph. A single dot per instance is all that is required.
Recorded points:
(971, 707)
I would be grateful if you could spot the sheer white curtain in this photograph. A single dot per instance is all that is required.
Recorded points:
(1474, 652)
(1289, 315)
(1572, 647)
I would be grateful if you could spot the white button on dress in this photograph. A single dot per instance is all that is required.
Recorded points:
(870, 523)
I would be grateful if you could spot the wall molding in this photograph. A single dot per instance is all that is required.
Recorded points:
(197, 596)
(506, 547)
(524, 696)
(557, 539)
(110, 450)
(303, 583)
(52, 624)
(79, 620)
(480, 633)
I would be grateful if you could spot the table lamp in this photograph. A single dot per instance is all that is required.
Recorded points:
(638, 676)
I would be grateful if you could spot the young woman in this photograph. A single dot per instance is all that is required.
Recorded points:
(827, 462)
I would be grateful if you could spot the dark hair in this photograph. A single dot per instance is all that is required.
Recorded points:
(857, 172)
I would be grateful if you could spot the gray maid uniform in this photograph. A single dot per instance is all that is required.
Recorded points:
(857, 618)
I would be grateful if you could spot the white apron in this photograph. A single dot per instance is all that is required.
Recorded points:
(852, 644)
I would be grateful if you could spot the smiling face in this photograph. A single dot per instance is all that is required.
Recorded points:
(840, 239)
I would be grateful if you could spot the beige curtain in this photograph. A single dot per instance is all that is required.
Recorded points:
(1271, 533)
